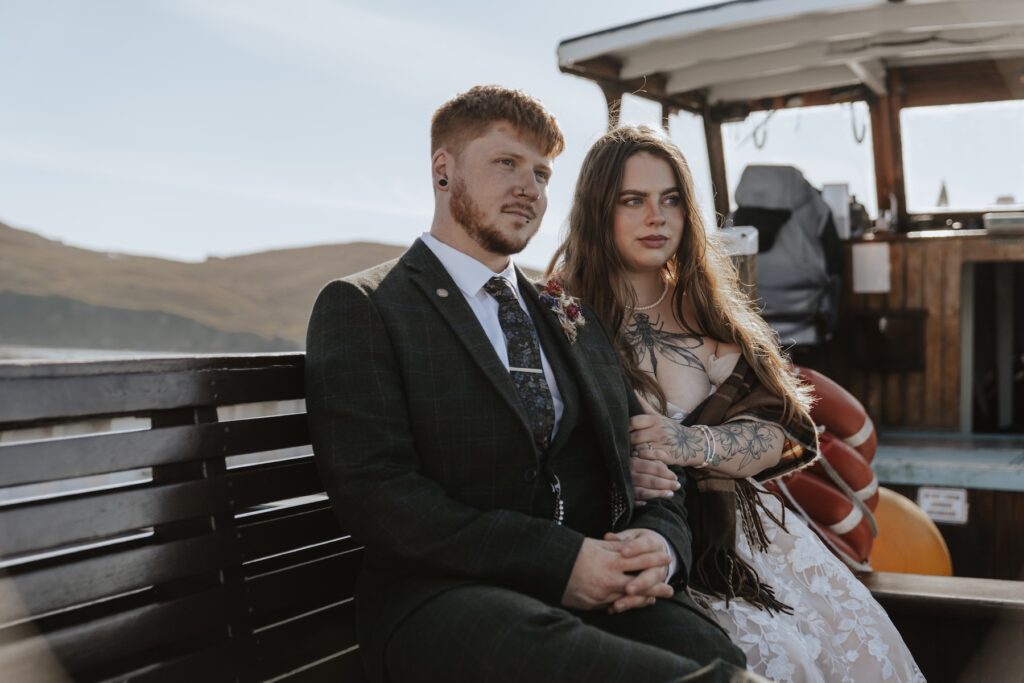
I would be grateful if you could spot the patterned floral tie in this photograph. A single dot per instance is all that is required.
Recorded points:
(524, 360)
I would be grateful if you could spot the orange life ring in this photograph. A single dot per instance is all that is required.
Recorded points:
(829, 507)
(841, 413)
(843, 461)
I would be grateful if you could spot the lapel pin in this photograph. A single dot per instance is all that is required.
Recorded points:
(442, 292)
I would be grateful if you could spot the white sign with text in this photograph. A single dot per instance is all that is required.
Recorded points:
(947, 506)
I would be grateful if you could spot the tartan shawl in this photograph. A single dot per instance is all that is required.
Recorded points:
(714, 500)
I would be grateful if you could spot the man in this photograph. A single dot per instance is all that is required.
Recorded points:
(479, 448)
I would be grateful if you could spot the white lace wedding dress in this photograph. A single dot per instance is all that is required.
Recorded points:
(837, 632)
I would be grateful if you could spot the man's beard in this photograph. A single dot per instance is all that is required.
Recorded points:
(467, 214)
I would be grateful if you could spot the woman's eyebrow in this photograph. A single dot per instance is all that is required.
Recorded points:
(640, 193)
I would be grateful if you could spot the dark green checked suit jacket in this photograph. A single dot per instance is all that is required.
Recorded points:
(425, 450)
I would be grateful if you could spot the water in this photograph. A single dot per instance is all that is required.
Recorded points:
(46, 353)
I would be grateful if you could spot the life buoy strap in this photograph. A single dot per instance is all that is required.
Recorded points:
(849, 522)
(851, 495)
(861, 435)
(869, 490)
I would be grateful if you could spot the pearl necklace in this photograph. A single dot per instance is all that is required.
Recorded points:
(660, 299)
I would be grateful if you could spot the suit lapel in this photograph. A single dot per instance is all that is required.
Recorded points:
(554, 351)
(591, 393)
(431, 277)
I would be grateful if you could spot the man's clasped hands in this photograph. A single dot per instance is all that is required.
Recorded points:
(628, 569)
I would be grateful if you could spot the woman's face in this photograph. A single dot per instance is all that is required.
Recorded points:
(648, 214)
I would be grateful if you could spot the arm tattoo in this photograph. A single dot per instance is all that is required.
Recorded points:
(745, 440)
(677, 347)
(686, 444)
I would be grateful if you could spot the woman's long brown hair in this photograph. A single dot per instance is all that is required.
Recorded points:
(592, 269)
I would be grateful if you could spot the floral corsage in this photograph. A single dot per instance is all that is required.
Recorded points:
(565, 307)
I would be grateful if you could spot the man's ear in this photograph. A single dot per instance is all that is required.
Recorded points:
(439, 166)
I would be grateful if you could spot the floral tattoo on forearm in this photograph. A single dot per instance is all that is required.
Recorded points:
(742, 442)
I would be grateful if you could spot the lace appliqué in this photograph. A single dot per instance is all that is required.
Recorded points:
(837, 633)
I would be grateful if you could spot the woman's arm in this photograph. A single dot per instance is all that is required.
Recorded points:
(741, 448)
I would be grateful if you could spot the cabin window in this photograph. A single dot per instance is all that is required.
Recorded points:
(964, 157)
(829, 144)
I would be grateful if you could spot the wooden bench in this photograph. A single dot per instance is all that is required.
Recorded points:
(143, 538)
(192, 566)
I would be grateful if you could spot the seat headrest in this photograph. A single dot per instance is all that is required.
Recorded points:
(773, 187)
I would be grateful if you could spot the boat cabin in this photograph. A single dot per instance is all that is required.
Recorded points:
(928, 330)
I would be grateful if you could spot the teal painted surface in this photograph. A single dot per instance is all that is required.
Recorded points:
(994, 465)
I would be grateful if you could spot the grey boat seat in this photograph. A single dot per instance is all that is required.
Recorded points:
(800, 257)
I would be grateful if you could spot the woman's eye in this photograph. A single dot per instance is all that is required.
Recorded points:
(633, 201)
(672, 200)
(507, 162)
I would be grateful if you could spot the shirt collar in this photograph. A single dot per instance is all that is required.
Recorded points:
(469, 274)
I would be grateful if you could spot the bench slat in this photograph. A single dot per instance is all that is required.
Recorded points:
(67, 458)
(119, 636)
(214, 664)
(285, 592)
(294, 644)
(266, 483)
(288, 530)
(301, 556)
(138, 387)
(346, 667)
(43, 590)
(44, 525)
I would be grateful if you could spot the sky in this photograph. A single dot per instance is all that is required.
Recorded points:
(190, 128)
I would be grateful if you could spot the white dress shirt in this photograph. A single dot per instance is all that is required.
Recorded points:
(470, 276)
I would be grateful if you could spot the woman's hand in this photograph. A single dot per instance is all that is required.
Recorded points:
(656, 437)
(652, 479)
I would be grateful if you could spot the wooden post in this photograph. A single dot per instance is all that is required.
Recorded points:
(896, 95)
(716, 162)
(881, 142)
(667, 111)
(887, 144)
(613, 100)
(746, 268)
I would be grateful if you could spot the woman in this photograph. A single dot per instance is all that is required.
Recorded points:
(722, 403)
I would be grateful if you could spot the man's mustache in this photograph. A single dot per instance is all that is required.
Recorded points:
(524, 208)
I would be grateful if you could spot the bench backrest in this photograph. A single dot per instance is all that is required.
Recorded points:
(159, 546)
(162, 520)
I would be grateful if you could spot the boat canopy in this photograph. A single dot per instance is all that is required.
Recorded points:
(725, 60)
(744, 50)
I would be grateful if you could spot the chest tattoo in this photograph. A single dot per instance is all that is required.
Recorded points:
(650, 340)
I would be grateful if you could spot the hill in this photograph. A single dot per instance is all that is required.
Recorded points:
(254, 302)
